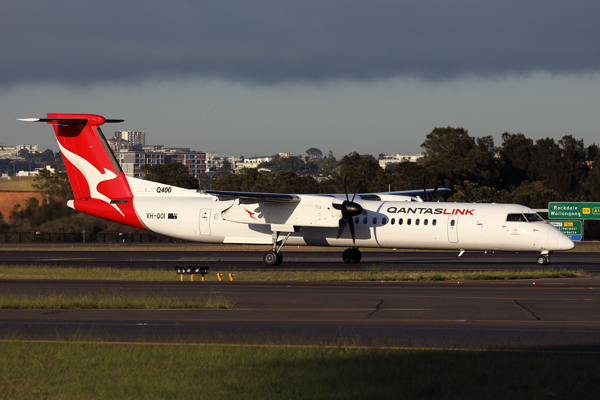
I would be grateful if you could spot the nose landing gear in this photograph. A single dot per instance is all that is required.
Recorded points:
(351, 255)
(543, 258)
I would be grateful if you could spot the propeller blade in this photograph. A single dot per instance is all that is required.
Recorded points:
(352, 232)
(357, 188)
(349, 210)
(343, 223)
(346, 188)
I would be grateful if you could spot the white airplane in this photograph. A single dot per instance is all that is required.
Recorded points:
(383, 220)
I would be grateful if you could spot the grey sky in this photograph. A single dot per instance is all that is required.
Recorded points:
(261, 77)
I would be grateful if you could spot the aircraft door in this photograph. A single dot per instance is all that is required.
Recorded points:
(453, 229)
(205, 222)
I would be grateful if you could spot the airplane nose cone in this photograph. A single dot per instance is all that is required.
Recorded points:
(558, 240)
(564, 243)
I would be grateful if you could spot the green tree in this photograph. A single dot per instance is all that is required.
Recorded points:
(293, 164)
(516, 155)
(314, 153)
(328, 166)
(3, 225)
(364, 169)
(452, 156)
(53, 184)
(175, 174)
(532, 194)
(470, 192)
(245, 180)
(203, 181)
(593, 180)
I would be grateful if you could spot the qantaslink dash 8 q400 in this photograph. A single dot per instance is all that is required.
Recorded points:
(386, 220)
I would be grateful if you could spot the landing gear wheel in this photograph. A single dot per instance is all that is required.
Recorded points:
(272, 258)
(543, 260)
(351, 256)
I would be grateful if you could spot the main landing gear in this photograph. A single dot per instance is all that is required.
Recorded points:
(351, 255)
(543, 259)
(274, 257)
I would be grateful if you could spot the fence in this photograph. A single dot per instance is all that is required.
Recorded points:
(67, 237)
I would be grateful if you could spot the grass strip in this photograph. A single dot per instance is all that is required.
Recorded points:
(100, 371)
(370, 273)
(111, 300)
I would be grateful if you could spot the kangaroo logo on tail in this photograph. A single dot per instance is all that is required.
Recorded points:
(93, 176)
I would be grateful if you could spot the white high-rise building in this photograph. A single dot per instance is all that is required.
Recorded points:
(134, 138)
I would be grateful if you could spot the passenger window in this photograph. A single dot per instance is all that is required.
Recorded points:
(425, 222)
(374, 220)
(434, 222)
(417, 221)
(400, 221)
(365, 220)
(393, 221)
(383, 221)
(356, 220)
(408, 221)
(452, 222)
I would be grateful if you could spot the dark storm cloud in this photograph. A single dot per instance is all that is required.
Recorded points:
(280, 41)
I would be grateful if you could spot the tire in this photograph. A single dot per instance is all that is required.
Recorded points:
(358, 255)
(279, 258)
(543, 260)
(347, 256)
(351, 256)
(271, 258)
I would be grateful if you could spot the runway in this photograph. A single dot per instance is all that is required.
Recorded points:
(552, 314)
(303, 260)
(555, 315)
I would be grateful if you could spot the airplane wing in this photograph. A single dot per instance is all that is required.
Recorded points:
(417, 192)
(282, 197)
(252, 196)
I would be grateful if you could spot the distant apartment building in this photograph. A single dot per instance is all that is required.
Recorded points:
(131, 161)
(398, 158)
(36, 172)
(9, 150)
(194, 161)
(118, 144)
(253, 162)
(134, 138)
(215, 162)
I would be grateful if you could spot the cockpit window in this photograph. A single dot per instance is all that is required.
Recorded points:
(524, 218)
(516, 218)
(534, 218)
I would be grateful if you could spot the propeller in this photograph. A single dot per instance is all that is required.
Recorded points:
(349, 210)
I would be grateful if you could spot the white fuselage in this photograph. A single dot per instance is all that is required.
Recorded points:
(189, 215)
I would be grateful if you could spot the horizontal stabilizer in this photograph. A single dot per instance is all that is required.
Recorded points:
(67, 121)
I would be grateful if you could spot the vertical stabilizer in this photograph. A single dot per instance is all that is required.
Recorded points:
(99, 185)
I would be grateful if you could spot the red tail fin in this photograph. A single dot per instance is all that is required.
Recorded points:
(99, 185)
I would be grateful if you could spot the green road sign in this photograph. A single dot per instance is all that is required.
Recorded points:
(570, 228)
(574, 210)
